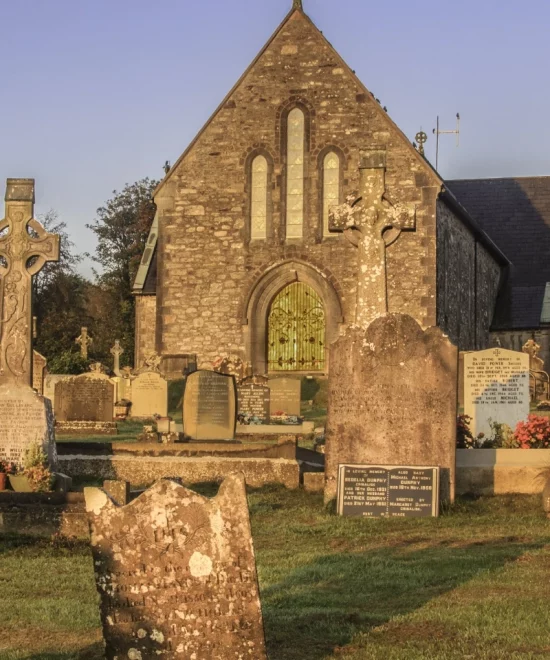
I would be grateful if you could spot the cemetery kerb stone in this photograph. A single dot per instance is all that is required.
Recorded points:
(392, 400)
(25, 418)
(254, 401)
(85, 398)
(285, 395)
(149, 395)
(496, 388)
(209, 406)
(176, 573)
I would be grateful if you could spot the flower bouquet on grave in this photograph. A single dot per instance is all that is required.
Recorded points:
(36, 476)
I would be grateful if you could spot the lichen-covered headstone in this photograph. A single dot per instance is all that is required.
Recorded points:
(88, 397)
(392, 399)
(25, 418)
(176, 574)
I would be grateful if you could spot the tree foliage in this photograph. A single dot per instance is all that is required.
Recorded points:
(121, 229)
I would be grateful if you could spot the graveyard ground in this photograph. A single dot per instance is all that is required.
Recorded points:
(471, 584)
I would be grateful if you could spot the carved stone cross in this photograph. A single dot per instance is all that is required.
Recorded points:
(24, 249)
(371, 222)
(85, 341)
(116, 352)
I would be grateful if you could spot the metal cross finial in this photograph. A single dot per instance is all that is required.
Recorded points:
(421, 138)
(297, 4)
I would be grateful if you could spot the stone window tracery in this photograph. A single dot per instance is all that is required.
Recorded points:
(295, 174)
(331, 187)
(258, 205)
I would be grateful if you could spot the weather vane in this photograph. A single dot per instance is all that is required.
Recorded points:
(437, 133)
(421, 138)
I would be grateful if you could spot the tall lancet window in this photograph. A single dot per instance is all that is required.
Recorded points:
(258, 205)
(295, 174)
(331, 187)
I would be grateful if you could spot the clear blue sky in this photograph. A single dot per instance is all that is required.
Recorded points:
(97, 93)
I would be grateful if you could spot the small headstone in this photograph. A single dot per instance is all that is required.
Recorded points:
(149, 395)
(50, 381)
(392, 399)
(39, 363)
(209, 406)
(373, 491)
(496, 388)
(176, 573)
(253, 403)
(285, 395)
(25, 418)
(88, 397)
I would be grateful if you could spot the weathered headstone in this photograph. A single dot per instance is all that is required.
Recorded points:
(116, 352)
(209, 406)
(39, 364)
(373, 491)
(50, 381)
(88, 397)
(496, 388)
(25, 418)
(176, 574)
(149, 395)
(285, 395)
(392, 399)
(253, 402)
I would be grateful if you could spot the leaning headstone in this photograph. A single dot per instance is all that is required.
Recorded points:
(209, 406)
(392, 399)
(253, 403)
(39, 364)
(176, 573)
(496, 388)
(149, 395)
(285, 395)
(25, 418)
(88, 397)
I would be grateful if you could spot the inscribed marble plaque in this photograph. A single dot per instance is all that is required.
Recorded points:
(372, 491)
(253, 402)
(25, 418)
(496, 388)
(83, 398)
(209, 406)
(176, 574)
(149, 395)
(285, 395)
(392, 399)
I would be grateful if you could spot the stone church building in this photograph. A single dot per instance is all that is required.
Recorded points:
(240, 260)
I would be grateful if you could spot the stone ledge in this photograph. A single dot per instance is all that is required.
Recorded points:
(501, 480)
(145, 470)
(86, 428)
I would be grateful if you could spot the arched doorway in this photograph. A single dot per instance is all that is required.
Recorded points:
(296, 335)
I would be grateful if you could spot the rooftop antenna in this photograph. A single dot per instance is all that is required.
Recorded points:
(437, 133)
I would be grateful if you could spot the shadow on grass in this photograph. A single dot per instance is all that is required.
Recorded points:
(93, 652)
(323, 605)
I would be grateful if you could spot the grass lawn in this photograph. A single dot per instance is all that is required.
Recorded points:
(471, 584)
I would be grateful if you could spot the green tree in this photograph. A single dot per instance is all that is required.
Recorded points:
(121, 229)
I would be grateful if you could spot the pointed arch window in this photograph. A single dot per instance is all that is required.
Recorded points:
(295, 174)
(331, 187)
(258, 204)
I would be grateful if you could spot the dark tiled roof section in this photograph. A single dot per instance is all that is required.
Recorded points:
(516, 215)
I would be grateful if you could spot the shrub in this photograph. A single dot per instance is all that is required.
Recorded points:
(534, 433)
(464, 436)
(36, 469)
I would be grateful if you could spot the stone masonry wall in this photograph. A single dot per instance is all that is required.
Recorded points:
(462, 266)
(146, 309)
(207, 263)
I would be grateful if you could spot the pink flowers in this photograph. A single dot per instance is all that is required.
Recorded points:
(534, 433)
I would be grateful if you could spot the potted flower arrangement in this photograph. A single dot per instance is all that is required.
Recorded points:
(6, 468)
(36, 476)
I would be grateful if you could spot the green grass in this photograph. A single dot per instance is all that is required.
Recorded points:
(470, 584)
(128, 431)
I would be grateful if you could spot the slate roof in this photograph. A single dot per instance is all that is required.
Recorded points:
(515, 213)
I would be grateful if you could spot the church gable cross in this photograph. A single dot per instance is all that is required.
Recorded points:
(25, 247)
(371, 222)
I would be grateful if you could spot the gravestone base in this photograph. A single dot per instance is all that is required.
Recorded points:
(25, 418)
(86, 428)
